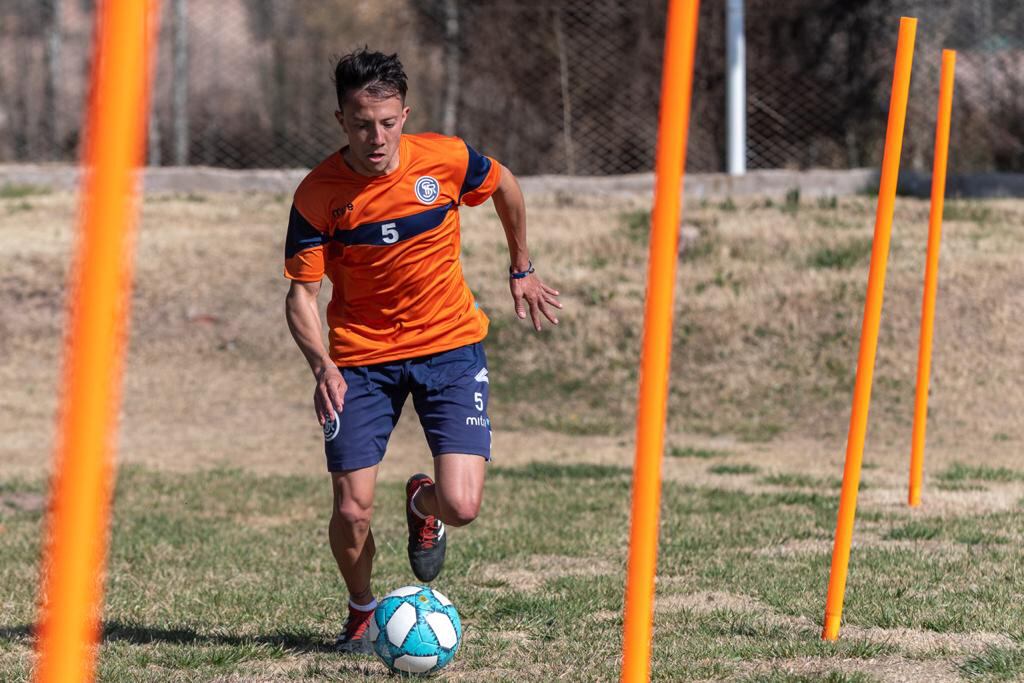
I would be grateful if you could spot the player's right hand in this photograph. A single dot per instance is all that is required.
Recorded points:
(329, 397)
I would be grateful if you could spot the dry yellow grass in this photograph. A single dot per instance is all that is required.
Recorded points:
(768, 313)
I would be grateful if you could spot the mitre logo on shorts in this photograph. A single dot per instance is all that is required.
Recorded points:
(427, 189)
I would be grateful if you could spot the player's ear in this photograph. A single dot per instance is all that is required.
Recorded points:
(405, 114)
(341, 120)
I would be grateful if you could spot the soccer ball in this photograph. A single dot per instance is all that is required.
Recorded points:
(415, 630)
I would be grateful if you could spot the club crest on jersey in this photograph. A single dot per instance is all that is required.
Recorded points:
(427, 189)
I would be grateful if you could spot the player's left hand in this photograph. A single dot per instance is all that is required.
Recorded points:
(530, 292)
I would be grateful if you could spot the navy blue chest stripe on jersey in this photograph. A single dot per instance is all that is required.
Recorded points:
(386, 233)
(301, 235)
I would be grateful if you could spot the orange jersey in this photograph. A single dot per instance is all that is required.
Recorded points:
(390, 245)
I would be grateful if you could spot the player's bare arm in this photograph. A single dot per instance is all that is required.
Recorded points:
(304, 322)
(528, 291)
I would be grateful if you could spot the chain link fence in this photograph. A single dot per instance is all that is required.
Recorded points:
(819, 76)
(547, 86)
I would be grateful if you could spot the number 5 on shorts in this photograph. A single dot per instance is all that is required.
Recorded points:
(478, 400)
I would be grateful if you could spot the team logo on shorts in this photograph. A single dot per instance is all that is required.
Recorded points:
(427, 189)
(331, 428)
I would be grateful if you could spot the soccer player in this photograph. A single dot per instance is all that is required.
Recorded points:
(380, 218)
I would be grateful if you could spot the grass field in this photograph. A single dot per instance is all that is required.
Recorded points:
(219, 568)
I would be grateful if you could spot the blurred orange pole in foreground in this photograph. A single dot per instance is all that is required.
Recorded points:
(673, 127)
(869, 331)
(99, 295)
(931, 274)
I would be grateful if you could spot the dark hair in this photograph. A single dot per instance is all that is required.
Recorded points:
(378, 74)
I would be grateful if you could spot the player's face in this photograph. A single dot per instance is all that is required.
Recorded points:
(374, 129)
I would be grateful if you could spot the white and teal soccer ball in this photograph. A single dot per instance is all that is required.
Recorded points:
(415, 630)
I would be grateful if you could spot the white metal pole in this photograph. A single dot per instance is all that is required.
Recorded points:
(736, 89)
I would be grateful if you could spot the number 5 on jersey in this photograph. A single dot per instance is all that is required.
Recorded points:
(388, 233)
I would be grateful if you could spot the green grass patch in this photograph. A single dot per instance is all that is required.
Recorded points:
(959, 486)
(579, 425)
(828, 202)
(959, 472)
(19, 207)
(967, 211)
(702, 248)
(842, 257)
(636, 225)
(734, 469)
(546, 471)
(796, 480)
(15, 191)
(692, 452)
(971, 530)
(822, 677)
(978, 536)
(792, 202)
(721, 280)
(994, 664)
(758, 432)
(915, 531)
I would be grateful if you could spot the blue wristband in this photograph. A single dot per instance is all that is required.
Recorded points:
(520, 274)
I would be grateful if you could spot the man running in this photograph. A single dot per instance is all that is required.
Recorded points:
(380, 219)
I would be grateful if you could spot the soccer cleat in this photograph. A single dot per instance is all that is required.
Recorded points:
(353, 636)
(426, 535)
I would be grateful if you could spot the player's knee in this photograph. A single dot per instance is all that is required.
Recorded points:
(354, 518)
(460, 511)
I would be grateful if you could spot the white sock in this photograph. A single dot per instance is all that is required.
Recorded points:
(412, 504)
(368, 607)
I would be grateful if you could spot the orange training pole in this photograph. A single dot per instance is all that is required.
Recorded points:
(931, 274)
(869, 331)
(98, 300)
(673, 126)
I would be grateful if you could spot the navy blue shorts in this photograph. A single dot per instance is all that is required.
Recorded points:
(449, 392)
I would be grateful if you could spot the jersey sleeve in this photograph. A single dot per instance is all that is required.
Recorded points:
(305, 244)
(482, 177)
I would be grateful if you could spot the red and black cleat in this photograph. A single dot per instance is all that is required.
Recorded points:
(354, 636)
(426, 535)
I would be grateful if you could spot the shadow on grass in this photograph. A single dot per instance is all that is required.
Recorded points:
(9, 634)
(117, 631)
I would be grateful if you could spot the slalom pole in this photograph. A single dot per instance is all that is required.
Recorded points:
(98, 299)
(673, 128)
(931, 274)
(869, 330)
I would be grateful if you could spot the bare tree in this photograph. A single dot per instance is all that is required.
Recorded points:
(451, 66)
(154, 139)
(50, 121)
(179, 98)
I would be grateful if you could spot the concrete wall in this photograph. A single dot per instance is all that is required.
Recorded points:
(717, 186)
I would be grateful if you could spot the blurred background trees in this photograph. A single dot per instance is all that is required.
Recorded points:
(547, 86)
